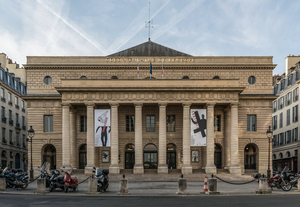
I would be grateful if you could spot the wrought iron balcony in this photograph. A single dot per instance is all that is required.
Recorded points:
(3, 119)
(10, 103)
(3, 99)
(18, 125)
(11, 122)
(17, 107)
(23, 110)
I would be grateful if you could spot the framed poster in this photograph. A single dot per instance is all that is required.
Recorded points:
(195, 156)
(102, 127)
(198, 127)
(105, 156)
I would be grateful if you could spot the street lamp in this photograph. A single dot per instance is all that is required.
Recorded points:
(29, 139)
(270, 138)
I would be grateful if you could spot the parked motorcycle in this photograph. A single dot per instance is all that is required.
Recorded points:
(70, 182)
(281, 181)
(44, 173)
(294, 181)
(102, 182)
(56, 181)
(15, 178)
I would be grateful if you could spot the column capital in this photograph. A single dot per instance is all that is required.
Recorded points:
(234, 105)
(114, 104)
(162, 104)
(65, 104)
(187, 104)
(89, 104)
(138, 104)
(211, 104)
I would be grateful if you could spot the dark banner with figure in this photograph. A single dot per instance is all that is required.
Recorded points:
(198, 127)
(102, 127)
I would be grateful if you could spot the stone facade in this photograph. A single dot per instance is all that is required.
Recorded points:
(68, 98)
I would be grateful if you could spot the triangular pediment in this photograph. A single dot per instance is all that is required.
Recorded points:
(149, 48)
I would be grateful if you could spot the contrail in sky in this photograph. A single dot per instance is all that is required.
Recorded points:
(120, 41)
(72, 27)
(181, 15)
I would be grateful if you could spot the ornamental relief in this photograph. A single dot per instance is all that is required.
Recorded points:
(176, 97)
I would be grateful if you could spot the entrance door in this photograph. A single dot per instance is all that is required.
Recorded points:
(129, 160)
(171, 158)
(150, 160)
(218, 156)
(49, 155)
(82, 157)
(17, 161)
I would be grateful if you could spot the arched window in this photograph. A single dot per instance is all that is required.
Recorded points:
(216, 77)
(49, 155)
(280, 156)
(251, 80)
(83, 77)
(47, 80)
(82, 156)
(185, 77)
(114, 77)
(288, 154)
(250, 156)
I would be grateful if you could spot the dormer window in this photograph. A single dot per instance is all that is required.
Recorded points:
(185, 77)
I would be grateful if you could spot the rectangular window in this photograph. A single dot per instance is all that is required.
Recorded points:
(275, 106)
(217, 123)
(129, 123)
(290, 98)
(293, 135)
(296, 134)
(171, 123)
(288, 117)
(281, 139)
(290, 79)
(295, 113)
(9, 97)
(281, 120)
(251, 123)
(282, 84)
(274, 122)
(48, 123)
(10, 136)
(2, 93)
(10, 115)
(23, 140)
(8, 80)
(3, 133)
(281, 103)
(150, 123)
(83, 122)
(18, 139)
(274, 143)
(288, 137)
(17, 118)
(296, 152)
(16, 85)
(3, 111)
(23, 122)
(296, 94)
(23, 105)
(16, 101)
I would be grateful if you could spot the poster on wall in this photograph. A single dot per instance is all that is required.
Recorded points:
(102, 127)
(198, 127)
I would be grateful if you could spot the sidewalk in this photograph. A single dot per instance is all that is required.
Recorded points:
(152, 188)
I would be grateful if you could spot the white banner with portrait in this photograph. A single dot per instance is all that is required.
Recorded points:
(198, 127)
(102, 127)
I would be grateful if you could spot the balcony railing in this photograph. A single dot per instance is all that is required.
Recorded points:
(11, 122)
(3, 99)
(17, 107)
(24, 128)
(23, 110)
(4, 140)
(3, 119)
(10, 103)
(18, 125)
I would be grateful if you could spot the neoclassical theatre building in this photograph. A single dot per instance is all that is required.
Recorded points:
(192, 114)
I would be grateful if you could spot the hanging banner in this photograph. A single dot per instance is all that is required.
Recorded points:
(198, 127)
(102, 127)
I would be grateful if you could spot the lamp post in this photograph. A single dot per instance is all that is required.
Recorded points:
(29, 139)
(270, 138)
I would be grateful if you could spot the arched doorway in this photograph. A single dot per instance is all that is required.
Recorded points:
(218, 156)
(129, 156)
(17, 161)
(171, 156)
(150, 156)
(250, 157)
(82, 156)
(49, 155)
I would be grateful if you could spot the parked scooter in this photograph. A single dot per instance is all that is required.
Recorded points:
(102, 182)
(56, 181)
(70, 182)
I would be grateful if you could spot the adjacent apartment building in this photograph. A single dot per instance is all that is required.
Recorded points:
(286, 117)
(13, 146)
(153, 108)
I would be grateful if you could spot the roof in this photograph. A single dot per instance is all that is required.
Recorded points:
(149, 48)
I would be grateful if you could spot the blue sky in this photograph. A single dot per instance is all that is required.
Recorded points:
(196, 27)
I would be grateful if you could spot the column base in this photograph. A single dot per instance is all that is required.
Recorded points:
(235, 170)
(114, 169)
(187, 170)
(211, 170)
(162, 169)
(138, 169)
(88, 170)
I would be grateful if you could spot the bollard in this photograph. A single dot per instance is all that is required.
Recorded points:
(93, 186)
(123, 186)
(2, 184)
(41, 186)
(212, 187)
(263, 186)
(182, 186)
(298, 185)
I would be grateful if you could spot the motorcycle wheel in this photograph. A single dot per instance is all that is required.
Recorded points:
(24, 184)
(66, 188)
(287, 186)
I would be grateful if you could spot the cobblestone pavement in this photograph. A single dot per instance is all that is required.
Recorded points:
(141, 188)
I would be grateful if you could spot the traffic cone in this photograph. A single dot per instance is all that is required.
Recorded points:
(205, 188)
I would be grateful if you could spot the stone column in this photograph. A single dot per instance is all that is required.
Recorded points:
(186, 139)
(162, 166)
(227, 137)
(73, 140)
(210, 140)
(138, 132)
(66, 161)
(114, 167)
(90, 133)
(234, 167)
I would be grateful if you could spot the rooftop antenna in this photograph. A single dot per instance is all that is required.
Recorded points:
(149, 23)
